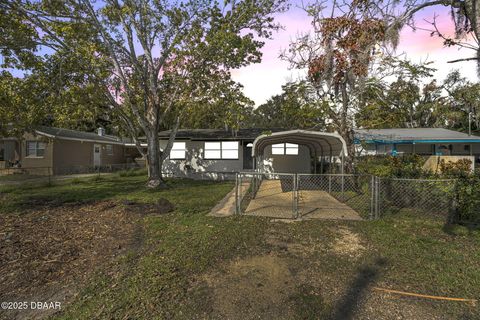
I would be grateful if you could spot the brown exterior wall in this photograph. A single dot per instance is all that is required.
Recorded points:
(36, 162)
(68, 154)
(118, 156)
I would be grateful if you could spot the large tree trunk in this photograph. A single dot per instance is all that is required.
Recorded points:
(154, 161)
(155, 157)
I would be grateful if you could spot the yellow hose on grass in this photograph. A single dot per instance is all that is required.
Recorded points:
(472, 301)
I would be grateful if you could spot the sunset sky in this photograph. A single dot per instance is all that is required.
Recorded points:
(265, 79)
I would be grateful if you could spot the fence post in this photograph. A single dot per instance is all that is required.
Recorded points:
(236, 193)
(295, 196)
(377, 197)
(372, 197)
(329, 184)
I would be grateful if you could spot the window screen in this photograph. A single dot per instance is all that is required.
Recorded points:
(278, 148)
(213, 150)
(109, 149)
(178, 150)
(285, 148)
(291, 148)
(230, 150)
(221, 150)
(35, 149)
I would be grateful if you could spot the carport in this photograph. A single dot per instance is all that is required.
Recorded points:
(324, 147)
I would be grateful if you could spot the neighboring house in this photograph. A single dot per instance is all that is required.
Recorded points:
(203, 151)
(422, 141)
(63, 150)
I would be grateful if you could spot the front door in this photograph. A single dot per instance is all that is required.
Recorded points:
(247, 157)
(97, 152)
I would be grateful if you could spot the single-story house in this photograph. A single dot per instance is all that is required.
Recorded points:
(58, 151)
(422, 141)
(212, 151)
(201, 151)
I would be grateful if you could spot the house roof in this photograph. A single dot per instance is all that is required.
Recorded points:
(218, 134)
(410, 135)
(68, 134)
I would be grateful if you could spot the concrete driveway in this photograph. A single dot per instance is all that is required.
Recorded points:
(274, 201)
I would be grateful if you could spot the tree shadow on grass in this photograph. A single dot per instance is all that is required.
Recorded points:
(347, 307)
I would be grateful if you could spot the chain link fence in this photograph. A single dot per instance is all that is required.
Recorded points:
(425, 196)
(19, 175)
(336, 196)
(341, 196)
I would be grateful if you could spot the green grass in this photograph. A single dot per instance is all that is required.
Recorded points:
(188, 195)
(425, 256)
(161, 278)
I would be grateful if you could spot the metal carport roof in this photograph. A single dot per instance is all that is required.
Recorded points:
(324, 143)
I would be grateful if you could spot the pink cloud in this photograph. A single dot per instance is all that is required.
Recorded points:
(265, 79)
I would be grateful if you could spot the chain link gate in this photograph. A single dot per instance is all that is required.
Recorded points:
(292, 196)
(340, 196)
(266, 194)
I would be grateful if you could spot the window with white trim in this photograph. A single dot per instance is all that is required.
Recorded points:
(278, 148)
(291, 149)
(178, 151)
(285, 149)
(221, 150)
(35, 149)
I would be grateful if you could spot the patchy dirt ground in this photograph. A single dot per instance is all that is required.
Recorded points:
(47, 253)
(292, 280)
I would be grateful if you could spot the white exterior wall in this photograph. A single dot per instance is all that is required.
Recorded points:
(195, 163)
(300, 163)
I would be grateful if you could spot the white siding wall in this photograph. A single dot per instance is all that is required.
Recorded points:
(195, 163)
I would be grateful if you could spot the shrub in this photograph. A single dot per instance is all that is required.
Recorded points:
(467, 194)
(460, 168)
(407, 166)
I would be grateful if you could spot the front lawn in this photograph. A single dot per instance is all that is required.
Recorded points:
(188, 265)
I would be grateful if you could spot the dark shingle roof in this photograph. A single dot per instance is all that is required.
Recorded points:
(216, 134)
(75, 135)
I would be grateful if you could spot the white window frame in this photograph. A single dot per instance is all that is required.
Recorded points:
(285, 149)
(219, 150)
(178, 151)
(278, 149)
(291, 149)
(37, 148)
(229, 147)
